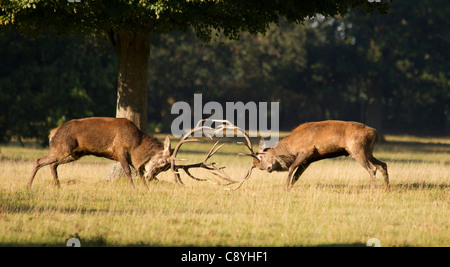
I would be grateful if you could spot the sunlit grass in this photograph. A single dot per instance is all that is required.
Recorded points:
(331, 204)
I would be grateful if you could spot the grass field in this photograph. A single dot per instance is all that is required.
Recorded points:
(331, 205)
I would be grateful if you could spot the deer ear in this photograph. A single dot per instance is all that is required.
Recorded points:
(167, 144)
(262, 145)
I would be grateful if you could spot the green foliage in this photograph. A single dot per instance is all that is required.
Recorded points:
(229, 17)
(257, 68)
(328, 68)
(103, 18)
(48, 81)
(406, 56)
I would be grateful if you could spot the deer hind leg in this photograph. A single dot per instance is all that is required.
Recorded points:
(382, 167)
(55, 174)
(53, 167)
(39, 163)
(362, 158)
(48, 159)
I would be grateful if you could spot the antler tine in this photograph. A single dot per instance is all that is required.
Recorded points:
(193, 177)
(209, 180)
(248, 143)
(249, 173)
(187, 135)
(217, 171)
(183, 140)
(213, 151)
(204, 164)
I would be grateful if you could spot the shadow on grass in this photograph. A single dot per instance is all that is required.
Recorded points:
(415, 146)
(393, 187)
(420, 186)
(343, 245)
(97, 241)
(26, 208)
(101, 241)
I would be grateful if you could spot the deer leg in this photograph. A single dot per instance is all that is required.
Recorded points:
(301, 157)
(55, 174)
(362, 159)
(49, 159)
(382, 167)
(298, 173)
(53, 167)
(39, 163)
(141, 176)
(126, 168)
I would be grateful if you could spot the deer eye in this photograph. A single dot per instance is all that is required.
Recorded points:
(162, 162)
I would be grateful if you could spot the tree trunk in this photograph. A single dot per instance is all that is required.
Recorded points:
(133, 54)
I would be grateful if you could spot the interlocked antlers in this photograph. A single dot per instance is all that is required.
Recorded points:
(218, 172)
(248, 144)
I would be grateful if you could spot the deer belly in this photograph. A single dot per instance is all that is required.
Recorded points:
(78, 153)
(328, 154)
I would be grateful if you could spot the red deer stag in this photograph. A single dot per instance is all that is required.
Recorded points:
(120, 140)
(315, 141)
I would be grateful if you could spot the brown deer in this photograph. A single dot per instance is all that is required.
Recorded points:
(120, 140)
(315, 141)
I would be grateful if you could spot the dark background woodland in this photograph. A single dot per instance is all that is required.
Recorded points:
(391, 72)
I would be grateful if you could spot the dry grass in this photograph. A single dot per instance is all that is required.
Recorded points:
(332, 204)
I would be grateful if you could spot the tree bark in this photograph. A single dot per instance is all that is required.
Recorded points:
(133, 54)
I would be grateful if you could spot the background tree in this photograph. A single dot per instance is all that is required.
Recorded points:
(128, 25)
(389, 71)
(45, 82)
(317, 70)
(404, 58)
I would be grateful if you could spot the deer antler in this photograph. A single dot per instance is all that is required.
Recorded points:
(220, 176)
(248, 144)
(216, 170)
(228, 125)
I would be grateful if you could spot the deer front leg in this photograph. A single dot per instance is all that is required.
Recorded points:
(298, 173)
(301, 157)
(126, 168)
(141, 176)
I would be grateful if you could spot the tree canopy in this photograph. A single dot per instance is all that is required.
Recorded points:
(50, 80)
(323, 69)
(128, 26)
(230, 17)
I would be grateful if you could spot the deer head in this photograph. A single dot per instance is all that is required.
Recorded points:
(158, 163)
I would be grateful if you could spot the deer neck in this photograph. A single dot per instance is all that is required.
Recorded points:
(283, 155)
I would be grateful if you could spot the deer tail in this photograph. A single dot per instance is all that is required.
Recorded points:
(52, 134)
(377, 136)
